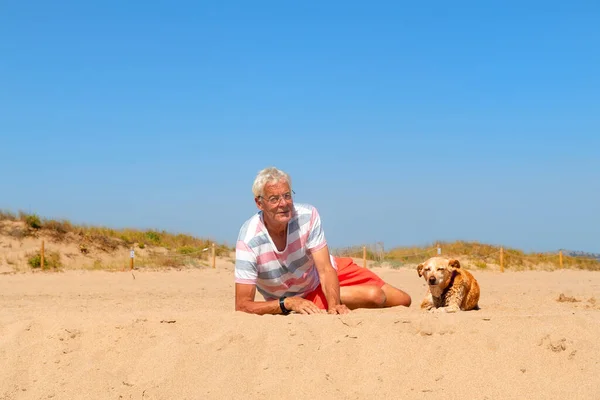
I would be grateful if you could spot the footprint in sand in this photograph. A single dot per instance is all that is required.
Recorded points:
(591, 303)
(69, 337)
(562, 298)
(557, 345)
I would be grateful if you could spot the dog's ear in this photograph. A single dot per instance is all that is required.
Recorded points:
(454, 264)
(420, 269)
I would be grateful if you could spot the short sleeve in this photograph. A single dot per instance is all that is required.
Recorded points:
(246, 270)
(316, 237)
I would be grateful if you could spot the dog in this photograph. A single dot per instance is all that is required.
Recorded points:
(450, 287)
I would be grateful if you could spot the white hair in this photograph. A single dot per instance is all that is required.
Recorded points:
(269, 175)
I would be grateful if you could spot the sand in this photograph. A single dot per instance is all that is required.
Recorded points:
(174, 334)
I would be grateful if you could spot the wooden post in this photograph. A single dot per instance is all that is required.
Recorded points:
(364, 256)
(561, 259)
(131, 255)
(501, 259)
(214, 257)
(42, 256)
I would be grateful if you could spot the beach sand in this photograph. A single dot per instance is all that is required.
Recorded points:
(174, 334)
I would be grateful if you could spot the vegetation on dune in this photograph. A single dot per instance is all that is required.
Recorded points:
(514, 258)
(163, 248)
(51, 260)
(479, 255)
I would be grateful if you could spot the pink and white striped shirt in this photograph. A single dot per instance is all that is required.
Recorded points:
(275, 273)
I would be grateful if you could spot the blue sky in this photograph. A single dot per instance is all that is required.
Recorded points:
(401, 122)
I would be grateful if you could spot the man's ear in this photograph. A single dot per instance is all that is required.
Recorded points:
(258, 203)
(454, 264)
(420, 269)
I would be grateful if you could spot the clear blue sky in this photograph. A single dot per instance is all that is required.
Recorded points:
(401, 122)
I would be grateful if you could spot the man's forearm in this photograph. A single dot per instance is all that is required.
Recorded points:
(331, 288)
(260, 307)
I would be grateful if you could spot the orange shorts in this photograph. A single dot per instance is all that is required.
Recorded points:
(349, 274)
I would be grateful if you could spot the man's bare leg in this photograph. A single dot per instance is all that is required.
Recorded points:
(362, 296)
(395, 296)
(369, 296)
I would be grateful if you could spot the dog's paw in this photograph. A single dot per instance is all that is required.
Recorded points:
(447, 309)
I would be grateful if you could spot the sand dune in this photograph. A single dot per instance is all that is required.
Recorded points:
(174, 335)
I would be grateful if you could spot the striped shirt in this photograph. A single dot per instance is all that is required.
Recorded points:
(275, 273)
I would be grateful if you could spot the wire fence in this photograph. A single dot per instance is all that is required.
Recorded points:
(145, 258)
(375, 251)
(187, 258)
(173, 260)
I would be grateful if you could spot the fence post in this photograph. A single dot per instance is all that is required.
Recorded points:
(561, 259)
(364, 256)
(131, 255)
(439, 249)
(501, 259)
(42, 256)
(214, 262)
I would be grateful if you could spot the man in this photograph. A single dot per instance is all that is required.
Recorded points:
(282, 252)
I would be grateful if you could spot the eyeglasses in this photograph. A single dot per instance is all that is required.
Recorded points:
(273, 200)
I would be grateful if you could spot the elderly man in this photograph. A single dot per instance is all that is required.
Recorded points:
(282, 252)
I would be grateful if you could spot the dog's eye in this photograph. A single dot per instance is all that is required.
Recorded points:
(441, 268)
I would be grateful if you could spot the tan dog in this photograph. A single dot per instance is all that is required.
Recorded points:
(451, 288)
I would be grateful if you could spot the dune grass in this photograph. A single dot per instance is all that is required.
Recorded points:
(109, 239)
(479, 255)
(190, 250)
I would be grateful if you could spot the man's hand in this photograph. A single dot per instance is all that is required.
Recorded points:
(302, 306)
(339, 309)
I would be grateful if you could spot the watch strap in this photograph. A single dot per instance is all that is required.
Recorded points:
(282, 306)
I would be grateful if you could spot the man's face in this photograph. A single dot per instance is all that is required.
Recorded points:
(276, 203)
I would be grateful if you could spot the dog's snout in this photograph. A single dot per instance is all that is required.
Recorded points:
(432, 280)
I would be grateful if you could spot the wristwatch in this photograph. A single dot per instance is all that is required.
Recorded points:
(284, 310)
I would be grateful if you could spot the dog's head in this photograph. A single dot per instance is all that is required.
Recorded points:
(438, 271)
